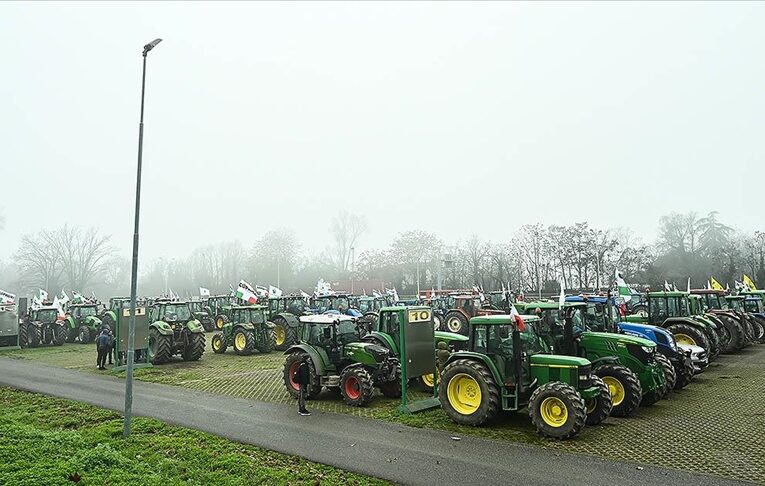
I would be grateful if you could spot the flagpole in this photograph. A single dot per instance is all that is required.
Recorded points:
(134, 270)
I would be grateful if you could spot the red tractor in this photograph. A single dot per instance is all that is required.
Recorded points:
(464, 308)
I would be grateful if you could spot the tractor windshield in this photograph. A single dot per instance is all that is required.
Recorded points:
(597, 317)
(256, 316)
(195, 306)
(713, 301)
(753, 305)
(532, 341)
(665, 307)
(341, 304)
(322, 304)
(347, 332)
(47, 315)
(177, 312)
(296, 306)
(735, 304)
(88, 311)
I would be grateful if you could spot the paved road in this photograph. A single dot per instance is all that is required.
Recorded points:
(394, 452)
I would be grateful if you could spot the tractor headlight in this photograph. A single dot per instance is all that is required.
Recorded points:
(648, 350)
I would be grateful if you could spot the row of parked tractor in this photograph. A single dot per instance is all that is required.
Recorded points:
(570, 363)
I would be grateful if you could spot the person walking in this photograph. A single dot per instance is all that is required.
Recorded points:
(303, 378)
(102, 345)
(111, 345)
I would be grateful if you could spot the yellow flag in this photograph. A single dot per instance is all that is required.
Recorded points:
(715, 284)
(749, 282)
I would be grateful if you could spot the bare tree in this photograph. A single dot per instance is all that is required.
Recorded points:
(346, 230)
(39, 261)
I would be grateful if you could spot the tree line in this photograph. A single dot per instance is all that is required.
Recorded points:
(537, 259)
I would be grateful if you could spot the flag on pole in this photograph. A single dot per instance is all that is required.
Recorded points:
(689, 285)
(667, 287)
(716, 285)
(709, 285)
(7, 298)
(562, 296)
(261, 292)
(625, 291)
(749, 282)
(59, 307)
(77, 298)
(323, 288)
(274, 291)
(246, 294)
(517, 317)
(203, 292)
(64, 299)
(43, 296)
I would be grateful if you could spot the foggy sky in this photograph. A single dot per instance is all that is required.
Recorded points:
(451, 118)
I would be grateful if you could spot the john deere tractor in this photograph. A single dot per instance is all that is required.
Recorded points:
(627, 364)
(754, 305)
(339, 360)
(218, 307)
(731, 327)
(506, 368)
(248, 330)
(463, 308)
(334, 304)
(285, 312)
(754, 328)
(82, 322)
(41, 327)
(369, 307)
(385, 331)
(173, 330)
(200, 314)
(116, 304)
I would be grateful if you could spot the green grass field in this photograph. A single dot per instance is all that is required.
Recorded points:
(713, 426)
(50, 441)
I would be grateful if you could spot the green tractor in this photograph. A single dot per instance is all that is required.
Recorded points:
(248, 330)
(173, 330)
(200, 314)
(730, 327)
(369, 307)
(218, 307)
(116, 304)
(82, 322)
(339, 360)
(285, 313)
(385, 332)
(629, 365)
(42, 327)
(754, 329)
(506, 368)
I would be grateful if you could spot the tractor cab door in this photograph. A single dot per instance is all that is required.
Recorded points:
(390, 324)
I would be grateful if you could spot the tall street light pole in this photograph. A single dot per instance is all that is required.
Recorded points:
(134, 274)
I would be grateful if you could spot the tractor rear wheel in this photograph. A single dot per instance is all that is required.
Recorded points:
(218, 343)
(640, 310)
(23, 335)
(468, 393)
(71, 334)
(599, 407)
(270, 340)
(457, 323)
(34, 335)
(195, 348)
(243, 341)
(687, 334)
(83, 334)
(392, 389)
(734, 331)
(436, 323)
(356, 386)
(624, 387)
(59, 334)
(291, 365)
(714, 343)
(759, 328)
(160, 347)
(557, 410)
(670, 377)
(284, 334)
(684, 373)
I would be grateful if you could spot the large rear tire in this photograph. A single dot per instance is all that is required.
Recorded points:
(83, 334)
(284, 334)
(734, 331)
(291, 364)
(687, 334)
(34, 335)
(457, 323)
(468, 393)
(243, 341)
(270, 341)
(195, 348)
(356, 386)
(59, 334)
(160, 347)
(23, 335)
(599, 407)
(624, 387)
(557, 410)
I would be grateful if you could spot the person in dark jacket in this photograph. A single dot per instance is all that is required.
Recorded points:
(111, 346)
(303, 377)
(102, 345)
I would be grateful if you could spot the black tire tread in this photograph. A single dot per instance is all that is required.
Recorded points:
(631, 384)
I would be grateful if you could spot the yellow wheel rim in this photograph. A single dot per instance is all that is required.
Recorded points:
(219, 323)
(685, 339)
(216, 343)
(281, 336)
(616, 389)
(464, 394)
(591, 404)
(553, 411)
(240, 341)
(428, 380)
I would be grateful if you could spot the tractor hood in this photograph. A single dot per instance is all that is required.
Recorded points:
(449, 336)
(367, 353)
(557, 360)
(622, 339)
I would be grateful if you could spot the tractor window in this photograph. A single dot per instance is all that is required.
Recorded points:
(578, 320)
(256, 316)
(532, 342)
(47, 315)
(364, 306)
(596, 317)
(735, 304)
(236, 316)
(296, 306)
(479, 339)
(341, 304)
(347, 332)
(315, 334)
(659, 310)
(753, 305)
(174, 312)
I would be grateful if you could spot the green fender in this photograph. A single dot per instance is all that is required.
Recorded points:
(92, 322)
(112, 314)
(247, 326)
(385, 340)
(162, 327)
(317, 359)
(292, 320)
(270, 325)
(449, 337)
(709, 322)
(604, 360)
(69, 322)
(477, 357)
(687, 320)
(195, 327)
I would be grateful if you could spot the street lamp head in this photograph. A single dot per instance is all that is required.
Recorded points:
(151, 45)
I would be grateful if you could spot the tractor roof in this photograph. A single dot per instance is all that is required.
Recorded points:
(663, 293)
(500, 319)
(547, 304)
(325, 318)
(88, 304)
(171, 302)
(598, 299)
(734, 297)
(46, 307)
(707, 291)
(255, 307)
(402, 308)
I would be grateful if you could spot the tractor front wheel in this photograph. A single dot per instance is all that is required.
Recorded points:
(291, 365)
(34, 335)
(270, 341)
(356, 386)
(684, 372)
(220, 321)
(392, 388)
(436, 323)
(195, 347)
(670, 376)
(84, 334)
(218, 343)
(599, 407)
(457, 323)
(59, 334)
(468, 393)
(244, 342)
(624, 387)
(160, 347)
(557, 410)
